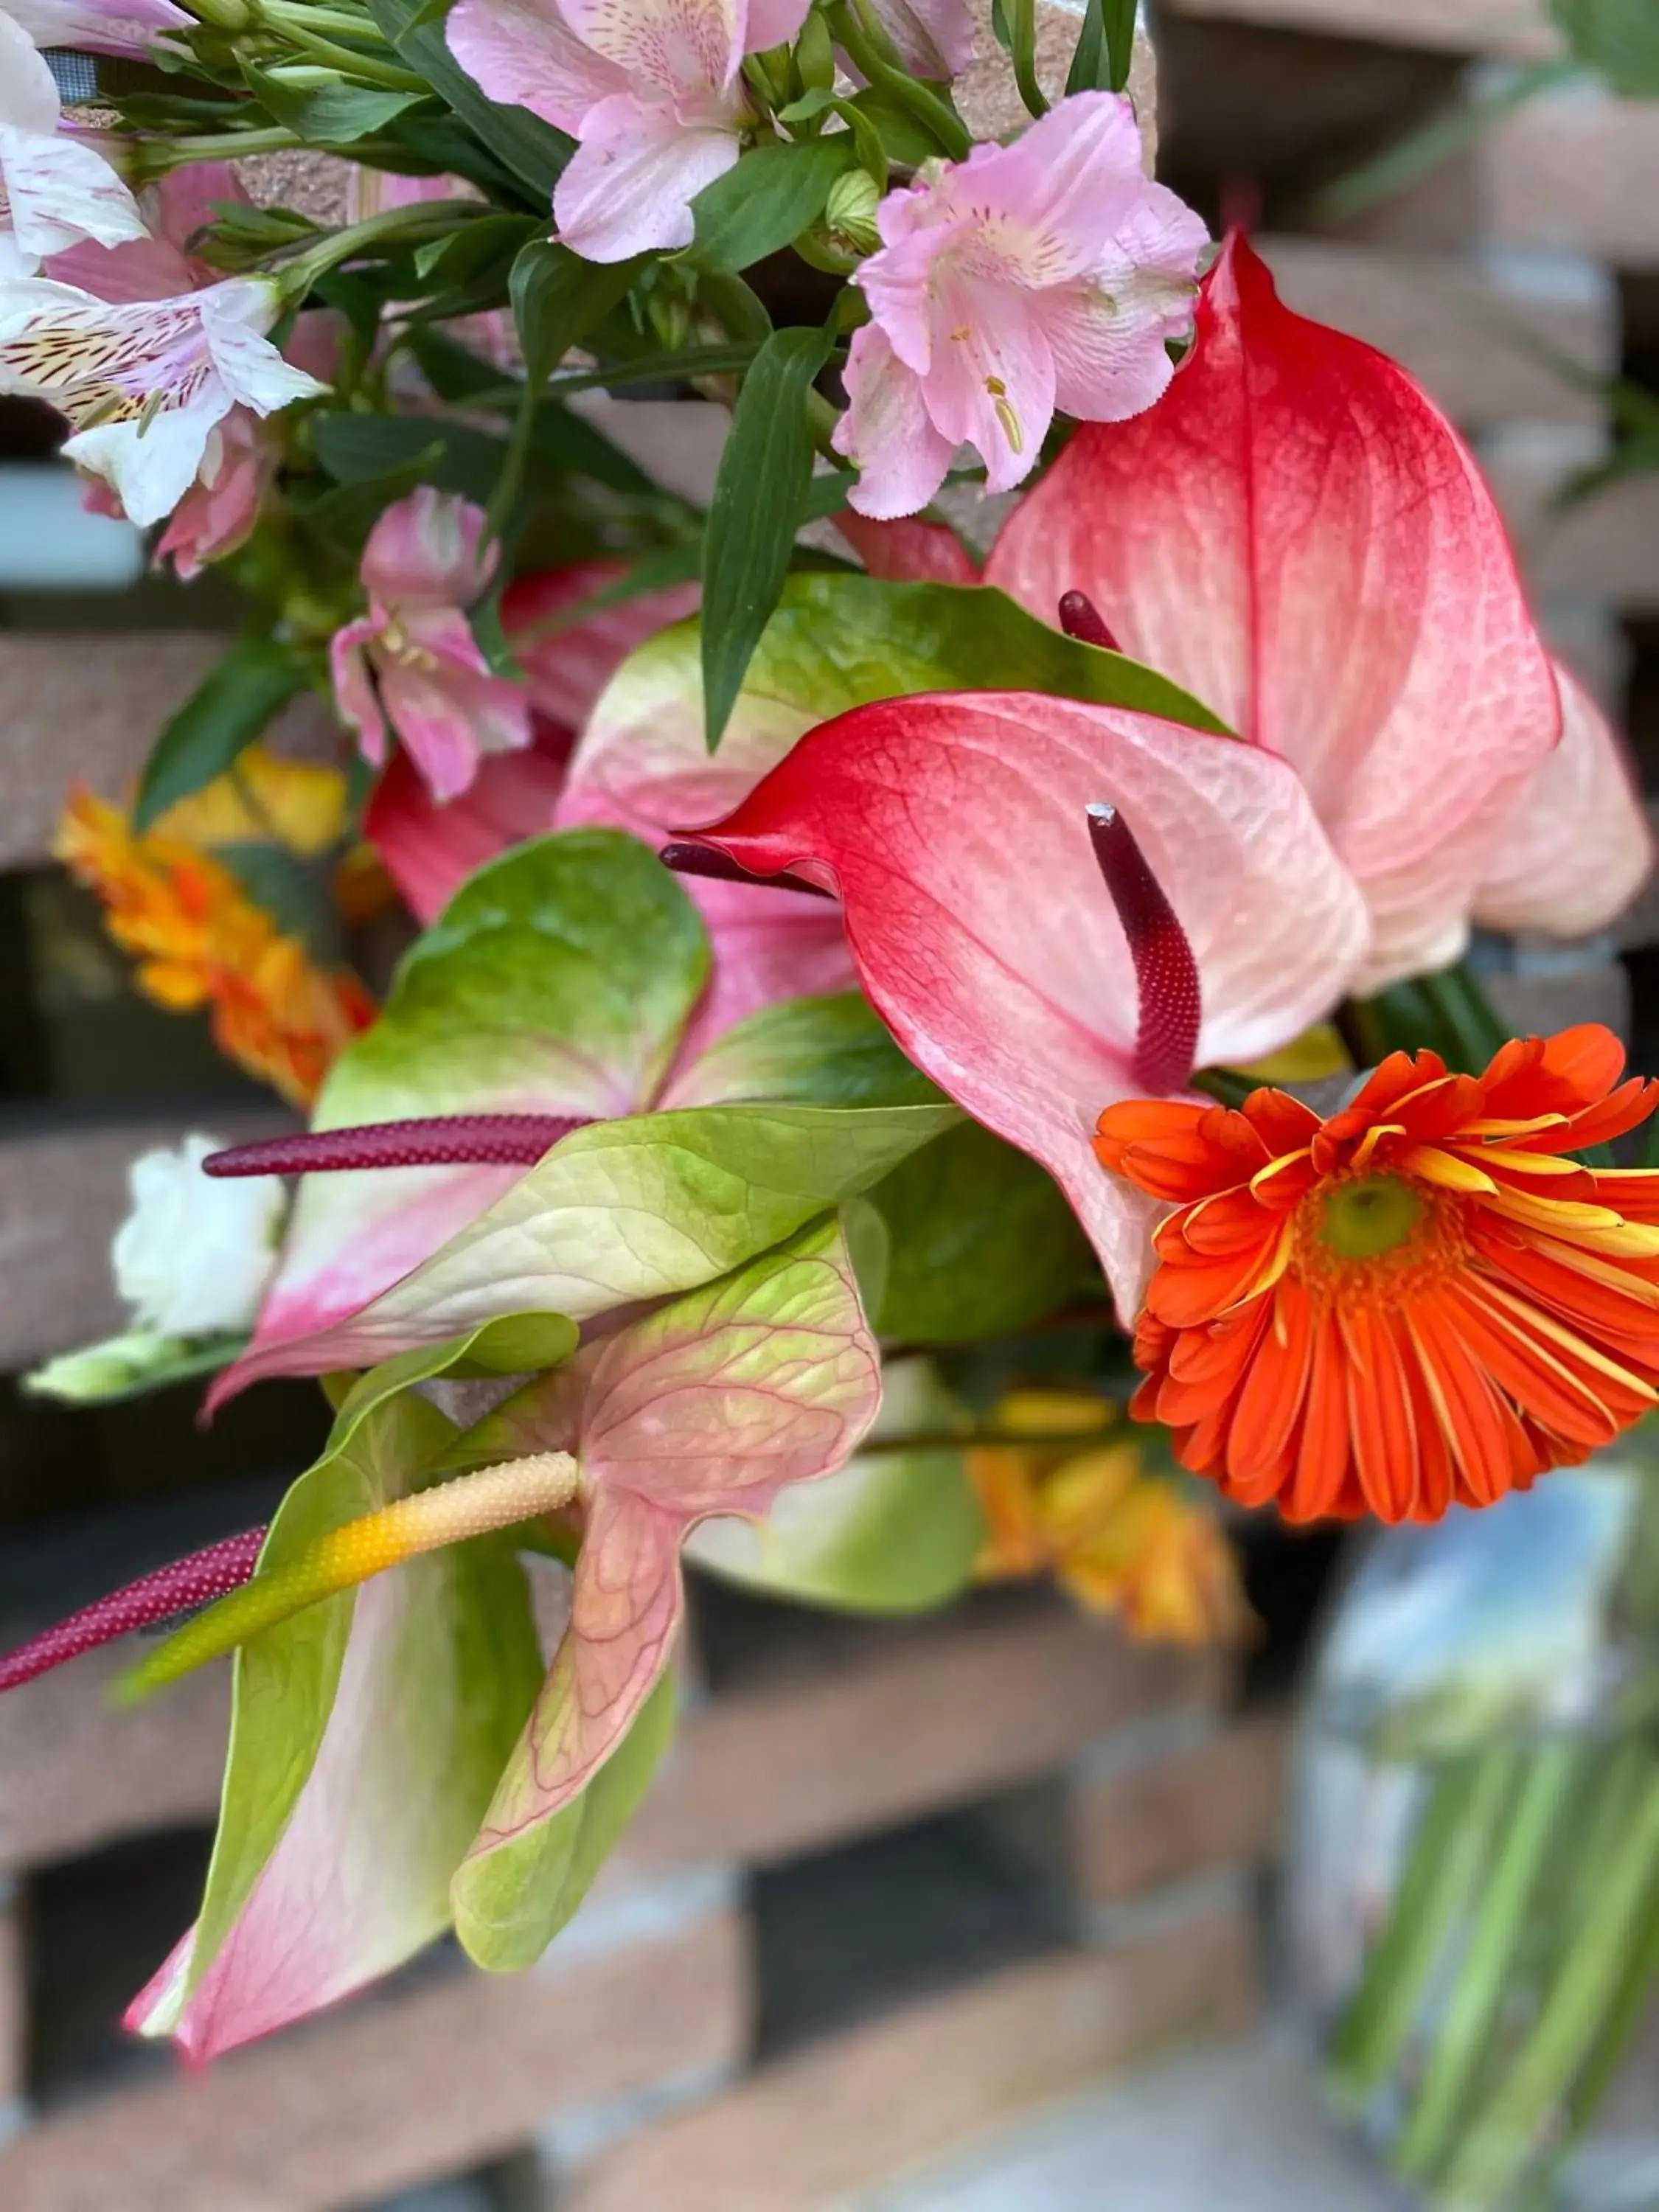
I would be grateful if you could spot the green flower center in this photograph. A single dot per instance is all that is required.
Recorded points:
(1372, 1216)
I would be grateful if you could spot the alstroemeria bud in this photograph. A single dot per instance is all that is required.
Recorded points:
(850, 211)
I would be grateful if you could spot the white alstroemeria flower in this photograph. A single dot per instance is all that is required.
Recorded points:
(145, 383)
(54, 191)
(194, 1255)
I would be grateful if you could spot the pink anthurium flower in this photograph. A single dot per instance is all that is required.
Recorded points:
(1296, 535)
(98, 27)
(54, 191)
(1575, 847)
(957, 831)
(653, 92)
(412, 661)
(1047, 273)
(711, 1406)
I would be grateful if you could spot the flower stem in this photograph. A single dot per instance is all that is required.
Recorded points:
(163, 155)
(1509, 2129)
(865, 40)
(394, 226)
(1469, 1801)
(346, 62)
(1500, 1923)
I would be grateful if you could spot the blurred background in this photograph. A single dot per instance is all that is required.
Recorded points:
(989, 1912)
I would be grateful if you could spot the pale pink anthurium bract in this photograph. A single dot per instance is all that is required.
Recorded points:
(650, 91)
(1296, 535)
(1049, 273)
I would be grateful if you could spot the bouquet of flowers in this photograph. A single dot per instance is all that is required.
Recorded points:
(1091, 701)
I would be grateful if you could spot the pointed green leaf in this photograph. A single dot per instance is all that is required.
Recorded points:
(534, 151)
(770, 197)
(233, 705)
(759, 504)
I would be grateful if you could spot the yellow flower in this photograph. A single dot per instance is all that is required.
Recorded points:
(1119, 1540)
(200, 941)
(264, 800)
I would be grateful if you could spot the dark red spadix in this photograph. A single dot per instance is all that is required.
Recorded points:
(1166, 973)
(172, 1590)
(688, 860)
(1080, 618)
(441, 1140)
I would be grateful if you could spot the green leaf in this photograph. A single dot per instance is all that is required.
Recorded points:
(981, 1242)
(1022, 52)
(903, 139)
(1105, 47)
(366, 1807)
(637, 1209)
(770, 197)
(488, 242)
(533, 150)
(759, 504)
(517, 1344)
(366, 449)
(336, 115)
(832, 1051)
(840, 640)
(1619, 38)
(231, 706)
(512, 1900)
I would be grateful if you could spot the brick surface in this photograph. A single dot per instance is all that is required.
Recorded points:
(91, 706)
(394, 2090)
(1177, 1814)
(61, 1199)
(884, 2097)
(938, 1713)
(11, 2009)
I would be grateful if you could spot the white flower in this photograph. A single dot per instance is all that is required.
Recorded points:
(194, 1255)
(145, 383)
(54, 191)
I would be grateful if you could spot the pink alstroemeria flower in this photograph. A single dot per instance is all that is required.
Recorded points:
(1296, 535)
(931, 38)
(54, 191)
(98, 27)
(1049, 273)
(651, 91)
(412, 660)
(243, 452)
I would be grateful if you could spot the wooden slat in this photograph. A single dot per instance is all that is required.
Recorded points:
(61, 1199)
(391, 2093)
(1471, 26)
(804, 2135)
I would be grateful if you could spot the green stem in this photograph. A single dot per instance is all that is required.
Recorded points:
(346, 62)
(863, 38)
(400, 226)
(1022, 52)
(1467, 1801)
(1463, 1006)
(295, 15)
(1509, 2129)
(161, 156)
(1500, 1924)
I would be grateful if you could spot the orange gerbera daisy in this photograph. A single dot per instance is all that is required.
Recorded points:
(1418, 1301)
(201, 941)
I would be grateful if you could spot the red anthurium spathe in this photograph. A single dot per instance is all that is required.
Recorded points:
(957, 832)
(710, 1406)
(1295, 534)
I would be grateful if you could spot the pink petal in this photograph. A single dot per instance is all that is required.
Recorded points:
(991, 384)
(355, 694)
(1063, 186)
(773, 23)
(524, 54)
(629, 185)
(908, 552)
(430, 850)
(1296, 535)
(954, 829)
(423, 552)
(901, 457)
(681, 48)
(1574, 847)
(143, 268)
(934, 38)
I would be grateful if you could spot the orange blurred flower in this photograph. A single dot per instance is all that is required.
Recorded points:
(200, 940)
(1419, 1300)
(1119, 1540)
